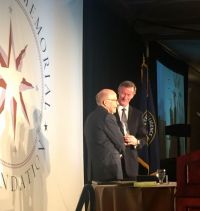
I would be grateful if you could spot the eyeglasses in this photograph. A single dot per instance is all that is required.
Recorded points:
(115, 100)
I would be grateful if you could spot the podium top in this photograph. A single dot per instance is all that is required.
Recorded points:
(143, 184)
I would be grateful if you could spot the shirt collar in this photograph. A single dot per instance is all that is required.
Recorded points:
(126, 107)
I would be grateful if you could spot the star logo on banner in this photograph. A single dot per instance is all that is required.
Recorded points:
(12, 83)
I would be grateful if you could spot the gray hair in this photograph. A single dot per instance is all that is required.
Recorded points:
(127, 84)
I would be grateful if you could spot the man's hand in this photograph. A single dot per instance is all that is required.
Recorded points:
(131, 140)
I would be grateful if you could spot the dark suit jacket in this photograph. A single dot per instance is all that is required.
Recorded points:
(105, 143)
(137, 128)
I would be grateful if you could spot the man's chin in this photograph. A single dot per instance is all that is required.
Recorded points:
(124, 104)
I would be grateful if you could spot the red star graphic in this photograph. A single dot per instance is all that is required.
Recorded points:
(22, 86)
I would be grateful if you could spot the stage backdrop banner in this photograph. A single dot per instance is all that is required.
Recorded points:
(41, 142)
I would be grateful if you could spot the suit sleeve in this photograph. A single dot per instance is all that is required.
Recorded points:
(141, 133)
(114, 133)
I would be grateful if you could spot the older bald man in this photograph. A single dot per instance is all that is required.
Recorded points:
(104, 140)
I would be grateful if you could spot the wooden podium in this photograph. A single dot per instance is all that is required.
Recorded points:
(188, 182)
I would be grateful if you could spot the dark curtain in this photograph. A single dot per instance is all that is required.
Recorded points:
(112, 52)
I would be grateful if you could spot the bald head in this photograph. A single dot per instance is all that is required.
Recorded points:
(103, 95)
(108, 99)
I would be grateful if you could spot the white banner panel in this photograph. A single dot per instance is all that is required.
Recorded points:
(41, 141)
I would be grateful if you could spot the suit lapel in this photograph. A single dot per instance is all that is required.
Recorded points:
(119, 122)
(130, 114)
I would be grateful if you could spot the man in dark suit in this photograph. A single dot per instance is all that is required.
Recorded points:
(133, 128)
(104, 140)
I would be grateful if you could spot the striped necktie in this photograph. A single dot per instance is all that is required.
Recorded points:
(124, 121)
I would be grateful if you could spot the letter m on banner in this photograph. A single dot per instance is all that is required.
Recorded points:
(149, 156)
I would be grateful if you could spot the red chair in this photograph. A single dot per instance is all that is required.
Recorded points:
(188, 182)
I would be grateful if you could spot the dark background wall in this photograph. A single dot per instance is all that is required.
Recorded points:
(112, 52)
